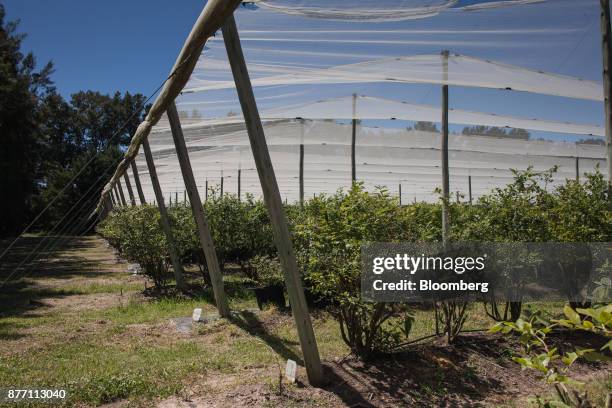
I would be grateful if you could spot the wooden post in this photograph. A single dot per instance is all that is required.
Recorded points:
(121, 196)
(353, 141)
(206, 194)
(444, 151)
(112, 196)
(606, 46)
(273, 201)
(128, 184)
(470, 188)
(577, 168)
(239, 177)
(141, 196)
(204, 234)
(301, 176)
(400, 194)
(457, 195)
(221, 192)
(185, 196)
(170, 199)
(165, 220)
(176, 197)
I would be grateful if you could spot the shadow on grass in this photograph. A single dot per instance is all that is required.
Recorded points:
(250, 323)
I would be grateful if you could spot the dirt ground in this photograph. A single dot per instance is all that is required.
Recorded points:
(475, 372)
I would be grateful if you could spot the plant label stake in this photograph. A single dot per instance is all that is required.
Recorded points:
(291, 370)
(197, 314)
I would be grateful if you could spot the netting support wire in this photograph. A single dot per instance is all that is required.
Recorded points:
(165, 220)
(239, 177)
(606, 45)
(204, 234)
(121, 195)
(141, 195)
(128, 185)
(301, 176)
(353, 140)
(273, 201)
(444, 151)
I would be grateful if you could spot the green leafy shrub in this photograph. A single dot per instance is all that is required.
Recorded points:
(141, 239)
(329, 243)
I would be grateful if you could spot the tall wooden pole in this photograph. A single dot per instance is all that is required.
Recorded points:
(577, 168)
(165, 220)
(239, 177)
(128, 184)
(141, 196)
(470, 188)
(204, 234)
(273, 201)
(444, 151)
(112, 196)
(606, 46)
(400, 194)
(121, 196)
(301, 175)
(354, 141)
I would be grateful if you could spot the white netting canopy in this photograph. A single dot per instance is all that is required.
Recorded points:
(524, 83)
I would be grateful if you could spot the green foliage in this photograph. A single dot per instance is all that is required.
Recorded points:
(267, 271)
(332, 234)
(137, 233)
(552, 365)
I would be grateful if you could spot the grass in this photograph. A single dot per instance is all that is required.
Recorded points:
(125, 348)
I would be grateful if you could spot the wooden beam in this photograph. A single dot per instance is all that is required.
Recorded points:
(577, 168)
(239, 176)
(354, 141)
(211, 18)
(121, 195)
(444, 151)
(128, 184)
(301, 176)
(606, 46)
(204, 234)
(141, 196)
(470, 188)
(400, 194)
(165, 220)
(273, 201)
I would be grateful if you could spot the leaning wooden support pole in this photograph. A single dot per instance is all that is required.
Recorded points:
(354, 141)
(141, 196)
(165, 220)
(204, 234)
(444, 153)
(274, 203)
(128, 185)
(121, 195)
(606, 47)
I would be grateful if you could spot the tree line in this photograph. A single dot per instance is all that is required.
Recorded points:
(52, 146)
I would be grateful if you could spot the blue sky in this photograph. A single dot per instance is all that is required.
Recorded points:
(131, 46)
(105, 45)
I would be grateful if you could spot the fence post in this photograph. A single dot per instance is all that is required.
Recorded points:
(141, 196)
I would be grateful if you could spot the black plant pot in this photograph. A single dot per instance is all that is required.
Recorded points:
(274, 294)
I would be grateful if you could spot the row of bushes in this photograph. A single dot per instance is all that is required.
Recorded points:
(328, 232)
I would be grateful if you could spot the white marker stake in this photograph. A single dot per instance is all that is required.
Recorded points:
(197, 314)
(290, 371)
